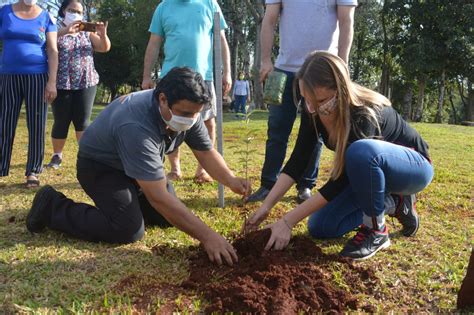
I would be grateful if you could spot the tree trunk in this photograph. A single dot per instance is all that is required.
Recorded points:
(257, 9)
(357, 61)
(418, 112)
(454, 115)
(407, 100)
(439, 112)
(235, 57)
(258, 89)
(385, 77)
(469, 106)
(114, 92)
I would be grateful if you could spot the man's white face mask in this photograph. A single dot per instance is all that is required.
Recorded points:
(180, 123)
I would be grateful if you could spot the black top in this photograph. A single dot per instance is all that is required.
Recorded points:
(392, 126)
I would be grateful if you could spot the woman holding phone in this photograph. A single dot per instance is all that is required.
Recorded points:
(77, 77)
(28, 67)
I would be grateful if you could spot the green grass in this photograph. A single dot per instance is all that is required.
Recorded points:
(50, 272)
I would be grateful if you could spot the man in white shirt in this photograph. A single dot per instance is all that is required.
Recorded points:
(304, 26)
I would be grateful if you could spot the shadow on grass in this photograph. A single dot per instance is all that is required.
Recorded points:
(20, 188)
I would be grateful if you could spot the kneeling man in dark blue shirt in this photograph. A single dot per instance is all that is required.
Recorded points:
(120, 167)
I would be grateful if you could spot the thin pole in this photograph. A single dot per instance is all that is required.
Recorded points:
(218, 86)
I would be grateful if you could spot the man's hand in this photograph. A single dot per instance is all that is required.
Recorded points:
(217, 248)
(281, 235)
(147, 83)
(255, 220)
(226, 83)
(240, 186)
(50, 92)
(265, 69)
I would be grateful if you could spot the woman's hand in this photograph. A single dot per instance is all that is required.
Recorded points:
(255, 219)
(72, 28)
(281, 235)
(101, 28)
(50, 92)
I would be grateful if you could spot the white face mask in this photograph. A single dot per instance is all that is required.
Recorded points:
(30, 2)
(180, 123)
(71, 17)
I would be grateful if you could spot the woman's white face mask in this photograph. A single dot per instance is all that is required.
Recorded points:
(72, 17)
(30, 2)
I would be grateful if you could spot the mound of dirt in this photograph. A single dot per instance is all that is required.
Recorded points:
(299, 279)
(466, 292)
(276, 282)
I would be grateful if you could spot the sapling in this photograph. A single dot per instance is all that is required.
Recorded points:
(246, 151)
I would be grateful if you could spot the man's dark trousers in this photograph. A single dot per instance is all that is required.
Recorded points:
(120, 210)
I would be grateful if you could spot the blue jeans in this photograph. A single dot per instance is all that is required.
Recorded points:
(280, 124)
(240, 101)
(374, 168)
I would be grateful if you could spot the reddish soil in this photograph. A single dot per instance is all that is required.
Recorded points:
(298, 279)
(466, 292)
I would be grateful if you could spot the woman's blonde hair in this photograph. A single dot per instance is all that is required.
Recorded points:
(325, 70)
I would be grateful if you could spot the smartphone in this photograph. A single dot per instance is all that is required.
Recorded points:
(88, 26)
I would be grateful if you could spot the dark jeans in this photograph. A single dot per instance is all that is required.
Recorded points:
(375, 168)
(120, 209)
(240, 101)
(280, 124)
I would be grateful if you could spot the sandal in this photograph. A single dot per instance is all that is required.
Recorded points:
(173, 175)
(32, 182)
(202, 178)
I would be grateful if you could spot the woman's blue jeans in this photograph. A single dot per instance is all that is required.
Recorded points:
(375, 169)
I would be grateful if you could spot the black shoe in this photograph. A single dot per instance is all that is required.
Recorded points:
(406, 214)
(259, 195)
(303, 195)
(366, 243)
(55, 162)
(40, 212)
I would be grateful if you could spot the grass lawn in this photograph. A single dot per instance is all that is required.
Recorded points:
(49, 272)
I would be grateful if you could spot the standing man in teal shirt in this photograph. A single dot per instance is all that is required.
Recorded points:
(185, 28)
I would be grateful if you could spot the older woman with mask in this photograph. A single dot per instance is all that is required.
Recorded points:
(77, 77)
(28, 68)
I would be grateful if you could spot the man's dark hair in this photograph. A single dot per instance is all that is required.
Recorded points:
(182, 83)
(64, 5)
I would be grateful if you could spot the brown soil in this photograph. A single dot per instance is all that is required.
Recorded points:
(466, 292)
(298, 279)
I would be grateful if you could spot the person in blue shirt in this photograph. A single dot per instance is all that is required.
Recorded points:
(241, 94)
(28, 68)
(185, 28)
